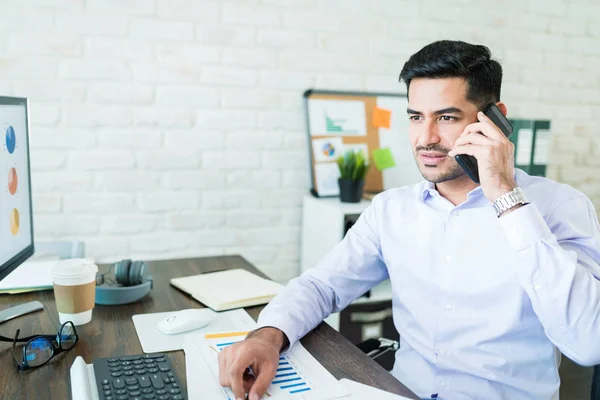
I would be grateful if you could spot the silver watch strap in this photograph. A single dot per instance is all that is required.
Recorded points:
(509, 200)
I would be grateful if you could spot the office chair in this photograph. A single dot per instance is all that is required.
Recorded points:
(375, 348)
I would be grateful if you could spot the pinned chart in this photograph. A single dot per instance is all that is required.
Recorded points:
(338, 117)
(298, 376)
(328, 149)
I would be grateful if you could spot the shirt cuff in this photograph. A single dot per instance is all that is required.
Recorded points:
(524, 227)
(281, 322)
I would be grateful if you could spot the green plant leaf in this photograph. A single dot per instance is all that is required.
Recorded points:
(353, 165)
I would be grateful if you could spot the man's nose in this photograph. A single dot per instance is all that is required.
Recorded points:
(429, 135)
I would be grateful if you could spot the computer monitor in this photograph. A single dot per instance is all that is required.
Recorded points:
(16, 218)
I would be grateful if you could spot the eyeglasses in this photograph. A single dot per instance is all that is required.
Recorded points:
(40, 349)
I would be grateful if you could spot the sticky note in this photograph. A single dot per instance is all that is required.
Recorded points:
(381, 118)
(383, 158)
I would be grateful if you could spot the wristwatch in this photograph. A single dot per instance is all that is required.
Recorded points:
(509, 200)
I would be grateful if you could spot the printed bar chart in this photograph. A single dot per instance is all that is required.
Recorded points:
(298, 376)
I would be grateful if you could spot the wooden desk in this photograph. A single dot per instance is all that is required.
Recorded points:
(112, 332)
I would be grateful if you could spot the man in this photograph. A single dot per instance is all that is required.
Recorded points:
(483, 299)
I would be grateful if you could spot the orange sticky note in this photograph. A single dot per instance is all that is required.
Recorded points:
(381, 118)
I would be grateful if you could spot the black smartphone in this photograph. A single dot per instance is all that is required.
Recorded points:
(469, 163)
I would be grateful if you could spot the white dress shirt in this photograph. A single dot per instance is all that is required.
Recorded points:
(483, 305)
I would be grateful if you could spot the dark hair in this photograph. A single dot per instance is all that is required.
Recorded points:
(453, 58)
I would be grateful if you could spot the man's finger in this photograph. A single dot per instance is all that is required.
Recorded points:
(473, 138)
(263, 380)
(236, 376)
(493, 133)
(469, 149)
(223, 373)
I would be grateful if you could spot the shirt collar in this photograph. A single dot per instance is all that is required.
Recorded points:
(428, 189)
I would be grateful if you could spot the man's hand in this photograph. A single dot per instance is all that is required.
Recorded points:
(259, 351)
(494, 154)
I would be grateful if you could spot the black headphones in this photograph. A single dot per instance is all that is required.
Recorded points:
(129, 284)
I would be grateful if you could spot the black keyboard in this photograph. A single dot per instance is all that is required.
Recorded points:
(137, 377)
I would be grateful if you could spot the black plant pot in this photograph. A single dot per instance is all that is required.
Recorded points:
(350, 191)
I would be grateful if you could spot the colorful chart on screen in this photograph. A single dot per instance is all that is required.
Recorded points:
(13, 181)
(14, 222)
(15, 195)
(11, 139)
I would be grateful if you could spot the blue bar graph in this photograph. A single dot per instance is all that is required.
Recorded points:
(293, 385)
(285, 381)
(286, 374)
(225, 344)
(300, 390)
(289, 379)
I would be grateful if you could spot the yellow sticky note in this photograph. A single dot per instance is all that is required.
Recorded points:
(383, 158)
(381, 118)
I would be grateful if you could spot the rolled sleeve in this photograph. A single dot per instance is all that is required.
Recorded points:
(525, 227)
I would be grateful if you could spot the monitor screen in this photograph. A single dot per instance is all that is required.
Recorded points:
(16, 230)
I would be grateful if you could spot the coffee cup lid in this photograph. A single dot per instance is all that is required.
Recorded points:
(74, 267)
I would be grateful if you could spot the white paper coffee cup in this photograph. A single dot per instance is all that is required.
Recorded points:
(74, 282)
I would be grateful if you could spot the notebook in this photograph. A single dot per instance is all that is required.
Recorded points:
(225, 290)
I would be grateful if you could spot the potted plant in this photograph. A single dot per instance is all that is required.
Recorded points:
(353, 169)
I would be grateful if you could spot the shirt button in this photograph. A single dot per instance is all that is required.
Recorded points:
(448, 258)
(537, 287)
(448, 306)
(443, 383)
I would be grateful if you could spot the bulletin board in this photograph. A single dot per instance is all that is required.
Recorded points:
(338, 121)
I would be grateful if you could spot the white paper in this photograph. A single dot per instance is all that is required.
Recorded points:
(524, 146)
(360, 391)
(329, 149)
(326, 177)
(542, 147)
(299, 375)
(30, 274)
(201, 382)
(153, 340)
(337, 117)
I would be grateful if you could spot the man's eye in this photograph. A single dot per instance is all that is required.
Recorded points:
(447, 118)
(414, 117)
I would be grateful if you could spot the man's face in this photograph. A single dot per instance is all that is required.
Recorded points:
(438, 112)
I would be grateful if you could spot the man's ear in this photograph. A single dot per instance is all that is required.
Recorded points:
(502, 107)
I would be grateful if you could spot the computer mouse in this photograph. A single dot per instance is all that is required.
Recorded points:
(184, 321)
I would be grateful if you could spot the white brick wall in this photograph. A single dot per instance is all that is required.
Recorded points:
(173, 128)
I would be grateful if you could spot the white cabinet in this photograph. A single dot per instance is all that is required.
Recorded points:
(323, 226)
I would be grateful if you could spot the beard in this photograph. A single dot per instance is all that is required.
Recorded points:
(438, 173)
